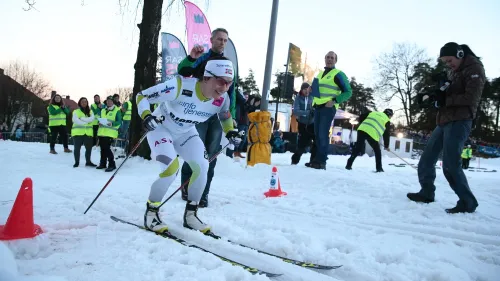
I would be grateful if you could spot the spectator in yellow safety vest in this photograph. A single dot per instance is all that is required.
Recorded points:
(334, 89)
(466, 156)
(83, 131)
(126, 111)
(96, 107)
(373, 125)
(109, 123)
(57, 123)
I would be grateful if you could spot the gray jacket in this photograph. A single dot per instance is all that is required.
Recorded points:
(302, 108)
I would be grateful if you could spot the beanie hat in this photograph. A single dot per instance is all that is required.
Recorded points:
(388, 112)
(219, 68)
(304, 86)
(450, 49)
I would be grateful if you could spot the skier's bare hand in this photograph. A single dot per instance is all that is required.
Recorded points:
(197, 51)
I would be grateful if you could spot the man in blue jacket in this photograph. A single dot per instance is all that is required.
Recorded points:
(302, 109)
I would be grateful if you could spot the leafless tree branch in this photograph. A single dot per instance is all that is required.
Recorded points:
(31, 5)
(396, 75)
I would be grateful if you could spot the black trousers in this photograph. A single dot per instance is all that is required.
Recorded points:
(61, 132)
(78, 142)
(95, 137)
(306, 138)
(465, 163)
(106, 153)
(362, 137)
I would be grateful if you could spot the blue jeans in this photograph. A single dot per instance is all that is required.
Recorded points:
(323, 117)
(123, 132)
(210, 133)
(449, 139)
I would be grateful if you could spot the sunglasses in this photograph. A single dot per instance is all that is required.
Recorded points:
(220, 80)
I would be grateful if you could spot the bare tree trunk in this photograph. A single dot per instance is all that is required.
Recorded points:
(145, 66)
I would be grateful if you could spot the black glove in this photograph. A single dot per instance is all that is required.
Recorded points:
(150, 122)
(234, 137)
(440, 99)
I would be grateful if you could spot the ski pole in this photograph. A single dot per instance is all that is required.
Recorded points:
(111, 178)
(187, 181)
(401, 159)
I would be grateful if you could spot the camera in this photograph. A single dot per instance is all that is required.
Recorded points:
(428, 98)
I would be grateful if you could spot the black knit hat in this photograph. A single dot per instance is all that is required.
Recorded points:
(450, 49)
(389, 112)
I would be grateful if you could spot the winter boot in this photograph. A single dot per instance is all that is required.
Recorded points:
(191, 219)
(67, 150)
(152, 219)
(203, 203)
(52, 151)
(238, 154)
(90, 164)
(419, 198)
(76, 164)
(348, 166)
(318, 166)
(111, 167)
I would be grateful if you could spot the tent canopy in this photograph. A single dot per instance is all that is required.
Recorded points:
(341, 114)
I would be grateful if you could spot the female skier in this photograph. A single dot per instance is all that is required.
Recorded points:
(184, 102)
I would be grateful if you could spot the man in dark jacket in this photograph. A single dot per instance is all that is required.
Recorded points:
(302, 109)
(457, 107)
(209, 131)
(242, 110)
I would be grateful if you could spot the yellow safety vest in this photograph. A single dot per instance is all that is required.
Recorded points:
(374, 125)
(81, 130)
(328, 89)
(105, 131)
(128, 113)
(96, 115)
(56, 120)
(467, 153)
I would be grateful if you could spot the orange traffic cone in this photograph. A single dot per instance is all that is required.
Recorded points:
(20, 223)
(275, 181)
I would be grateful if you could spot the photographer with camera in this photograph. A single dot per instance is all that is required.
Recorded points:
(457, 101)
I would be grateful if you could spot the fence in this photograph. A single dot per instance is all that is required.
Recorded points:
(25, 136)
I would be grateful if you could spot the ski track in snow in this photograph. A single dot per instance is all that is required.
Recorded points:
(356, 218)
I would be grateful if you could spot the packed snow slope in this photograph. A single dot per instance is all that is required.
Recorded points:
(357, 218)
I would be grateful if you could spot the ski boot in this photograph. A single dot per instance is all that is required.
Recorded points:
(191, 219)
(152, 219)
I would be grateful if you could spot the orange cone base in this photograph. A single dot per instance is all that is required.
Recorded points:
(274, 193)
(5, 235)
(20, 223)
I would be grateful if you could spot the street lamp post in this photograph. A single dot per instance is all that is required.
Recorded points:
(269, 57)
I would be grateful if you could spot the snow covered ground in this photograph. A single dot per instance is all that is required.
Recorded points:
(357, 218)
